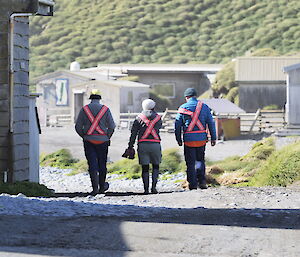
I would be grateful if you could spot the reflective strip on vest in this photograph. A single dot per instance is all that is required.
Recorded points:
(150, 128)
(95, 120)
(195, 119)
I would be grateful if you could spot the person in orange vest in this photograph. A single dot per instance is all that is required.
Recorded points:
(146, 127)
(192, 120)
(95, 125)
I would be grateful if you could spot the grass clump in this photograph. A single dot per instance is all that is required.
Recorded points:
(78, 167)
(261, 150)
(231, 171)
(127, 168)
(262, 166)
(236, 170)
(61, 159)
(26, 188)
(281, 169)
(171, 163)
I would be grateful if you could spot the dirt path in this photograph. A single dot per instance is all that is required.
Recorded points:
(213, 222)
(193, 232)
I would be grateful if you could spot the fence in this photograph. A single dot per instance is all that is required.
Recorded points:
(261, 121)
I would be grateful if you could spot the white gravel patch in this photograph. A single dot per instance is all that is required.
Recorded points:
(60, 182)
(100, 205)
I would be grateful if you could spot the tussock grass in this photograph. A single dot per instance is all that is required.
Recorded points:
(26, 188)
(262, 166)
(281, 169)
(61, 159)
(261, 150)
(171, 163)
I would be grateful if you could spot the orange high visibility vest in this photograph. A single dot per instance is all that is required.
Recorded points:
(95, 120)
(150, 128)
(195, 119)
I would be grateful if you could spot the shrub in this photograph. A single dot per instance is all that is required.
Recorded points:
(232, 94)
(265, 52)
(161, 102)
(225, 80)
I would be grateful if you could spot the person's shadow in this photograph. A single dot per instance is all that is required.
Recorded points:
(109, 193)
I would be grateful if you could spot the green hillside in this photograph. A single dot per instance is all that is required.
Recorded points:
(160, 31)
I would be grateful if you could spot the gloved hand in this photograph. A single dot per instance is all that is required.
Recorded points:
(129, 153)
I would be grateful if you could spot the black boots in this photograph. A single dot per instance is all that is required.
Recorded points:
(145, 177)
(95, 182)
(155, 173)
(201, 179)
(98, 184)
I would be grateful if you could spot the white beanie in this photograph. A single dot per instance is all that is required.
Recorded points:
(148, 104)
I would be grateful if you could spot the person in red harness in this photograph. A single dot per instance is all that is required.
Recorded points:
(192, 120)
(146, 126)
(95, 125)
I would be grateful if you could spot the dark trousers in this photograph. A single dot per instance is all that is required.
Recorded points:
(96, 156)
(191, 155)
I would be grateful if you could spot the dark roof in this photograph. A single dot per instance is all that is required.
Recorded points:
(222, 106)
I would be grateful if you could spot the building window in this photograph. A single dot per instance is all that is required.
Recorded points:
(165, 89)
(130, 98)
(61, 90)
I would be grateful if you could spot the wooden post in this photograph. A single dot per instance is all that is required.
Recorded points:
(255, 119)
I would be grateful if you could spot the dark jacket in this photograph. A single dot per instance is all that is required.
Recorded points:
(106, 123)
(139, 127)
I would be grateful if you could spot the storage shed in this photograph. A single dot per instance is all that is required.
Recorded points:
(262, 81)
(226, 116)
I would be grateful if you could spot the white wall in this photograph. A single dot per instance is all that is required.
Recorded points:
(139, 94)
(34, 151)
(293, 95)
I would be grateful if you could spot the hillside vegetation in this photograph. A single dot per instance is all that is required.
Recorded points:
(160, 31)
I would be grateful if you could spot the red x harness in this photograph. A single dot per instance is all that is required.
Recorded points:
(150, 128)
(95, 120)
(195, 119)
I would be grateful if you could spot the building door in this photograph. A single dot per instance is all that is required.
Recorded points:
(78, 103)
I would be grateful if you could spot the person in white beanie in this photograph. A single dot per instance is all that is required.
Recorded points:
(146, 127)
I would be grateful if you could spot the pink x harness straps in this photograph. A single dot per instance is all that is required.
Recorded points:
(95, 120)
(150, 128)
(195, 119)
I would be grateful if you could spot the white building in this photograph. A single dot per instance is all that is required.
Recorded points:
(63, 93)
